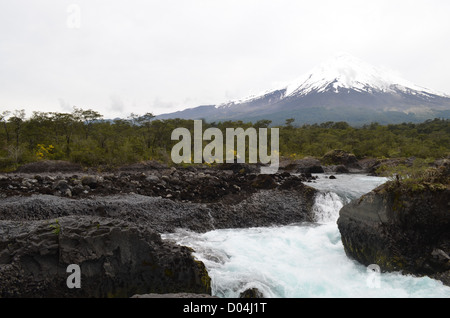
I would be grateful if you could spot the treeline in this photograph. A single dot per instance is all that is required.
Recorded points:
(85, 137)
(430, 139)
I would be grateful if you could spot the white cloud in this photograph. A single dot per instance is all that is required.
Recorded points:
(136, 56)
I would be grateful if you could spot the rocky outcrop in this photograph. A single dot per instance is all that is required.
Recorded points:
(200, 200)
(185, 185)
(251, 293)
(401, 229)
(287, 203)
(116, 259)
(306, 165)
(341, 160)
(375, 167)
(110, 225)
(334, 161)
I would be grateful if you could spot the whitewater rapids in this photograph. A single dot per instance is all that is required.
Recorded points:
(301, 260)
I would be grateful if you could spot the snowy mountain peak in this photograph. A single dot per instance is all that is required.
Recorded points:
(348, 72)
(342, 88)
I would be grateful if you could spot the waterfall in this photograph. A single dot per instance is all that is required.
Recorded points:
(300, 260)
(326, 207)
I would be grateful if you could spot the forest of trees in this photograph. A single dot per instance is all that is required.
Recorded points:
(85, 137)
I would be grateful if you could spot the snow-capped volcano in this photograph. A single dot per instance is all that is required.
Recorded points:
(337, 90)
(347, 72)
(343, 73)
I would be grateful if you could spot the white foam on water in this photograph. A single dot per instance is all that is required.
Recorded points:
(327, 206)
(300, 260)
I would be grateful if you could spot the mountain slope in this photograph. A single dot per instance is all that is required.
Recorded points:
(341, 89)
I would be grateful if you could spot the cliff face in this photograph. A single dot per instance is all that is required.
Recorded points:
(400, 229)
(116, 258)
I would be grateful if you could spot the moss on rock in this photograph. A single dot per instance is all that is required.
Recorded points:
(397, 227)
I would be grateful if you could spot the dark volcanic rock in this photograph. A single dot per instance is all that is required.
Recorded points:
(264, 181)
(89, 181)
(262, 208)
(109, 224)
(199, 200)
(336, 169)
(143, 166)
(186, 185)
(341, 157)
(311, 169)
(49, 166)
(400, 229)
(251, 293)
(306, 165)
(116, 258)
(242, 168)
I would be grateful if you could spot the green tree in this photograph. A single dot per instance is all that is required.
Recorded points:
(289, 122)
(16, 122)
(3, 118)
(88, 117)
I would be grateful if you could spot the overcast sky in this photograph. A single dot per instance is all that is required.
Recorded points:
(160, 56)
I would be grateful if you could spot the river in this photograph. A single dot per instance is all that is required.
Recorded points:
(301, 260)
